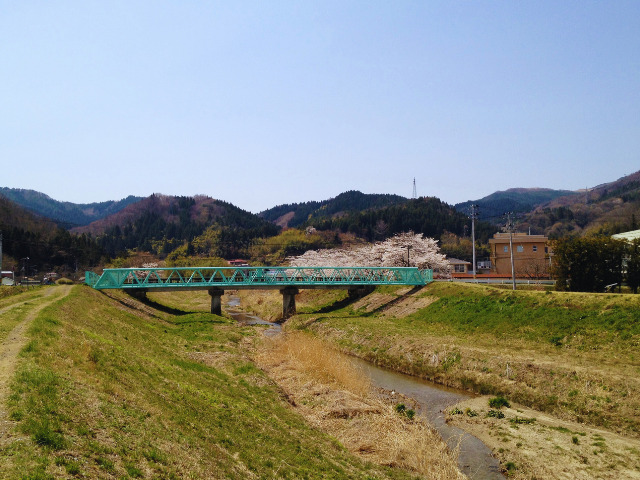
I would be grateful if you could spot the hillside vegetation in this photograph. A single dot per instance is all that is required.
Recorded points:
(107, 387)
(427, 215)
(160, 223)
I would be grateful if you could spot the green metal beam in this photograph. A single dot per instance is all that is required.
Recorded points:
(255, 277)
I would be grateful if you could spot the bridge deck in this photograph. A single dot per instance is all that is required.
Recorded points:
(190, 278)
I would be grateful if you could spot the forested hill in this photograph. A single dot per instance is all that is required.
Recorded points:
(516, 200)
(13, 215)
(47, 246)
(607, 209)
(427, 215)
(297, 214)
(161, 223)
(66, 214)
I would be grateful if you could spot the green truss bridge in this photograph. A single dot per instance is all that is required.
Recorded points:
(286, 279)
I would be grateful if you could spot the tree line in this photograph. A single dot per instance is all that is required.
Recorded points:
(55, 251)
(591, 264)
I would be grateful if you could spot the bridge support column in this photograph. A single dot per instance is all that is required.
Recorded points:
(216, 302)
(138, 294)
(360, 291)
(289, 301)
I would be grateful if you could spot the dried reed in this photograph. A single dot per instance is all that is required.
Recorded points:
(336, 397)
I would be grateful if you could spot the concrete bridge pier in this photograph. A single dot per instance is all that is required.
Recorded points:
(139, 294)
(289, 301)
(216, 300)
(360, 291)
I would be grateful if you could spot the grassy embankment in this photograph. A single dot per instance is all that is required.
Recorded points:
(106, 387)
(573, 355)
(573, 358)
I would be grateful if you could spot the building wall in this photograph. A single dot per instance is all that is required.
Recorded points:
(530, 255)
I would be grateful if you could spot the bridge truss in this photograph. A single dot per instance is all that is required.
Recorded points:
(287, 279)
(173, 278)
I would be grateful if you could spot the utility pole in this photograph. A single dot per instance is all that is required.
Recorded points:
(509, 227)
(474, 215)
(408, 248)
(0, 254)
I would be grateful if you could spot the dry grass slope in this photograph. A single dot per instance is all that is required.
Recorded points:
(336, 397)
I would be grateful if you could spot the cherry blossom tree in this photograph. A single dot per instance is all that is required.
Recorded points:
(419, 251)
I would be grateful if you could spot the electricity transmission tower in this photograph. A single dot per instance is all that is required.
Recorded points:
(415, 194)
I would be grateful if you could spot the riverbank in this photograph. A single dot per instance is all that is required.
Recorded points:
(569, 356)
(109, 387)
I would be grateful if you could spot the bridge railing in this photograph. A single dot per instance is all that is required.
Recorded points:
(203, 277)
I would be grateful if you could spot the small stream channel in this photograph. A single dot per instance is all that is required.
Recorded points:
(475, 459)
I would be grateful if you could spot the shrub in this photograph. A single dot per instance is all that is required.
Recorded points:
(522, 421)
(495, 414)
(499, 402)
(402, 410)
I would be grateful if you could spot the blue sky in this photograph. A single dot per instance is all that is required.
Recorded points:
(263, 103)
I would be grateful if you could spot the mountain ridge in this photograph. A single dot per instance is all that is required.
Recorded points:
(66, 214)
(515, 200)
(296, 214)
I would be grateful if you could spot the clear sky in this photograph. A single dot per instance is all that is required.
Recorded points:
(260, 103)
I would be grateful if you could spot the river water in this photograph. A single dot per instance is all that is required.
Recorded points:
(475, 459)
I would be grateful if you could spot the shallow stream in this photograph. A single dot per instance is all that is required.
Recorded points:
(475, 459)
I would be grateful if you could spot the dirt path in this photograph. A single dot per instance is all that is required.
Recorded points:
(18, 301)
(15, 341)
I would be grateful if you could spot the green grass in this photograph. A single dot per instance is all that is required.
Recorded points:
(105, 391)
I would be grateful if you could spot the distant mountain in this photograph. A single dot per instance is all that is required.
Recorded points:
(161, 223)
(297, 214)
(608, 208)
(66, 214)
(516, 200)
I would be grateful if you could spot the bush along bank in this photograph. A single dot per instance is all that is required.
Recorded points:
(570, 354)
